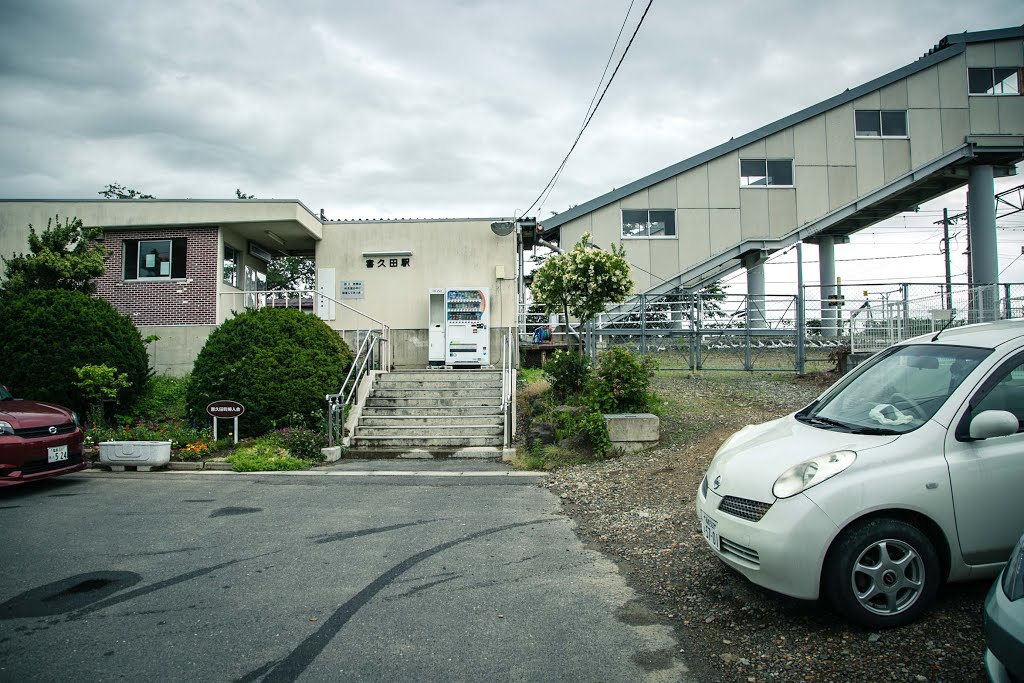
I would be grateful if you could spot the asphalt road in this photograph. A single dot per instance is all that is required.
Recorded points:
(313, 578)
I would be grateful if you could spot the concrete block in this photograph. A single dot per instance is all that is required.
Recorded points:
(331, 454)
(184, 465)
(212, 465)
(633, 431)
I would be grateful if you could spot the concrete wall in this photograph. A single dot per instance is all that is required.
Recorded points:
(832, 167)
(440, 253)
(176, 349)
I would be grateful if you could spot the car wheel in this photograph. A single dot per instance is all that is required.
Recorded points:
(882, 573)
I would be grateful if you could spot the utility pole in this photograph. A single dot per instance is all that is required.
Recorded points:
(949, 278)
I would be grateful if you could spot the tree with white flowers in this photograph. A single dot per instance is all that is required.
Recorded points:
(583, 281)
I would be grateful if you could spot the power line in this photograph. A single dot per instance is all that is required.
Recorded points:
(593, 111)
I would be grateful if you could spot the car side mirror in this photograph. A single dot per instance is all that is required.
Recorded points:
(993, 423)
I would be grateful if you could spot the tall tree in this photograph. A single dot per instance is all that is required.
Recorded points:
(241, 195)
(584, 281)
(118, 191)
(64, 256)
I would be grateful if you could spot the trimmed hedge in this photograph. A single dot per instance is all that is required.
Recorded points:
(48, 333)
(278, 363)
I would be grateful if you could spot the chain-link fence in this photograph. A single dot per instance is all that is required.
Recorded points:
(783, 332)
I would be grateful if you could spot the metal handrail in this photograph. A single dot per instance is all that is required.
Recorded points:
(507, 386)
(347, 394)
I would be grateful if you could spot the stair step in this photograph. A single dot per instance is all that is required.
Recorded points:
(431, 432)
(425, 442)
(388, 392)
(374, 401)
(430, 420)
(431, 385)
(431, 411)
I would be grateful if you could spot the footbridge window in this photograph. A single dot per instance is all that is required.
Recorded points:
(874, 123)
(994, 81)
(766, 172)
(648, 223)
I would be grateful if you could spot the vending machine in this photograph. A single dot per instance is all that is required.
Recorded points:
(467, 327)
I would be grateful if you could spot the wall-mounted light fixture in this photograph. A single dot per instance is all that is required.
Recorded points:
(275, 237)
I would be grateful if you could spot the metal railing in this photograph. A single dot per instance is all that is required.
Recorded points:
(338, 403)
(530, 319)
(370, 338)
(792, 332)
(507, 387)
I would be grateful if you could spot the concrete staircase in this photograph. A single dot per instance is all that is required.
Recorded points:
(431, 413)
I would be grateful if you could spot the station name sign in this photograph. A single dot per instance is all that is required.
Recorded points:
(227, 409)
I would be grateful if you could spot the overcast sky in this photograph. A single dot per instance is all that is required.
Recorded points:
(431, 108)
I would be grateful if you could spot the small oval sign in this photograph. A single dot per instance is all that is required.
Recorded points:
(225, 409)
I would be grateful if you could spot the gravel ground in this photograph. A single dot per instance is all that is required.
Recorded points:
(639, 510)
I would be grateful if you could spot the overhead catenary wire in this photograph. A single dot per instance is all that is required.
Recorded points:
(590, 116)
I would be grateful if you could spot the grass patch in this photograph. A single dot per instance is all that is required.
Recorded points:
(263, 455)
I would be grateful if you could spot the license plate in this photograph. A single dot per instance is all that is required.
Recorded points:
(56, 453)
(709, 527)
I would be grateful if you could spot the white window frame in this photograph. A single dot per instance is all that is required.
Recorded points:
(881, 133)
(766, 185)
(1018, 71)
(622, 226)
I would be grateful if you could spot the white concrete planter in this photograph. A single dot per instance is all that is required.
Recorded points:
(142, 454)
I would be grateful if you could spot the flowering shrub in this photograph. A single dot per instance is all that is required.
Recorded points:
(621, 382)
(568, 373)
(180, 434)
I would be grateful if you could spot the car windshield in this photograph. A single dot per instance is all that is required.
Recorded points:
(898, 392)
(4, 394)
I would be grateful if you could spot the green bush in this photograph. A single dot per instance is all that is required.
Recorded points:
(278, 363)
(621, 382)
(162, 399)
(48, 333)
(568, 373)
(263, 455)
(302, 443)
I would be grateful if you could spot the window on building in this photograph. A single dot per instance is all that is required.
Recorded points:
(874, 123)
(648, 223)
(766, 172)
(154, 259)
(232, 257)
(997, 80)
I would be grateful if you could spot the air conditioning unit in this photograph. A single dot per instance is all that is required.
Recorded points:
(260, 253)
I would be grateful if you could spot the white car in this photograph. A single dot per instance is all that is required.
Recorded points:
(906, 473)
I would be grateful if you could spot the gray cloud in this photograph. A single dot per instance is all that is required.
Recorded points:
(436, 108)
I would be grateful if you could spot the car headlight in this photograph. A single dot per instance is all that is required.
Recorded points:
(1013, 574)
(6, 428)
(811, 473)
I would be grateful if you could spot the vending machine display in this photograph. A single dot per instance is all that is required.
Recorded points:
(467, 327)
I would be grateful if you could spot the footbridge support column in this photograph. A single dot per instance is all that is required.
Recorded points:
(827, 277)
(754, 263)
(981, 219)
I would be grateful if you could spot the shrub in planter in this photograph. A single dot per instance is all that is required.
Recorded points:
(48, 333)
(278, 363)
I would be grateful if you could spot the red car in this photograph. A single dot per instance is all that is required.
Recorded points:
(37, 440)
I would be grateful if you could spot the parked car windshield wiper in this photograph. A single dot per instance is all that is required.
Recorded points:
(824, 422)
(880, 431)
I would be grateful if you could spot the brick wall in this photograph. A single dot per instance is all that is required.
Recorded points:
(192, 301)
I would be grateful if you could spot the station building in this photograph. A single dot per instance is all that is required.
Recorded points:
(955, 116)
